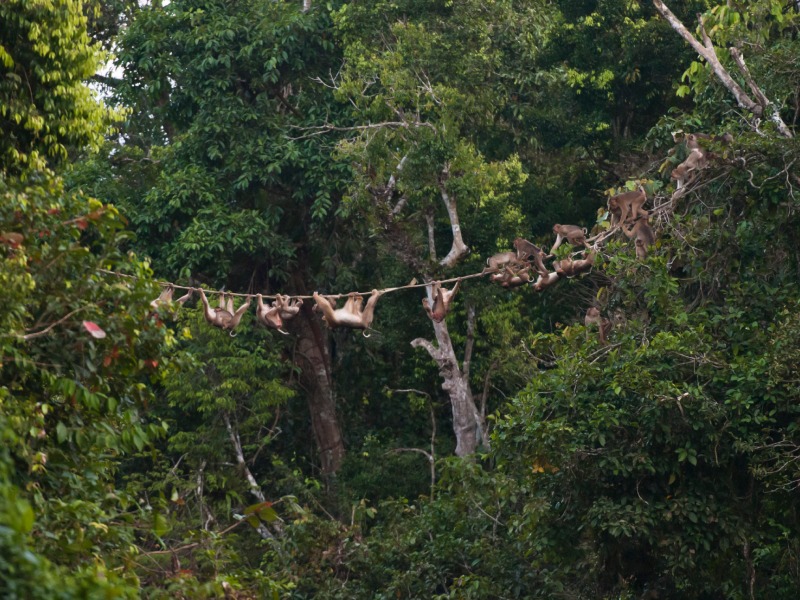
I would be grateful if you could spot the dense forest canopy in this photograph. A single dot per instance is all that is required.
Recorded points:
(577, 376)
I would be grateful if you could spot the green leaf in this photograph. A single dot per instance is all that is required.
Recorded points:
(61, 432)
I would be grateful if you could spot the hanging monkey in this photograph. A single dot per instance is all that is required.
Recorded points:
(287, 306)
(494, 262)
(223, 317)
(268, 315)
(569, 268)
(512, 278)
(545, 281)
(165, 297)
(351, 314)
(441, 299)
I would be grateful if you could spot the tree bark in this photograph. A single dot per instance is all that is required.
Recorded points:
(467, 424)
(237, 447)
(255, 489)
(312, 348)
(768, 106)
(459, 248)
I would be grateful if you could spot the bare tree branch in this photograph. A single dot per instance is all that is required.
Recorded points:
(706, 50)
(459, 248)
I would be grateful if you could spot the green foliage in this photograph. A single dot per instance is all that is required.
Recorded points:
(46, 110)
(71, 403)
(258, 153)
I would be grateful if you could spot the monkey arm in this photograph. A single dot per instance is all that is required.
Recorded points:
(210, 315)
(427, 306)
(327, 309)
(559, 239)
(187, 296)
(366, 316)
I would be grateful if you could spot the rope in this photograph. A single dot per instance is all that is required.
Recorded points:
(273, 297)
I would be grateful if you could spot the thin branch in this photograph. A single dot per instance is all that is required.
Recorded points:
(323, 129)
(46, 330)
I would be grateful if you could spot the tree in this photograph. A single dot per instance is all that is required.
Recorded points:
(77, 346)
(222, 92)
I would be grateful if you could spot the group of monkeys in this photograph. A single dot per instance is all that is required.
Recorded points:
(509, 269)
(275, 314)
(513, 269)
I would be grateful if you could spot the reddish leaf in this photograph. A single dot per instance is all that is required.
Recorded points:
(94, 330)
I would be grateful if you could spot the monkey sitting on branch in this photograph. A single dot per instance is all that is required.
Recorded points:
(644, 235)
(627, 206)
(603, 325)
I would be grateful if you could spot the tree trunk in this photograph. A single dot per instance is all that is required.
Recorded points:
(312, 348)
(467, 424)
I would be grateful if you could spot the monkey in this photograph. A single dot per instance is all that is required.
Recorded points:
(692, 142)
(351, 314)
(545, 281)
(574, 234)
(525, 250)
(165, 297)
(288, 308)
(441, 298)
(696, 161)
(569, 267)
(641, 249)
(513, 278)
(644, 235)
(603, 325)
(626, 206)
(224, 317)
(496, 261)
(269, 315)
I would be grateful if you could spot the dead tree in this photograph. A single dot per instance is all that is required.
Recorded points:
(759, 107)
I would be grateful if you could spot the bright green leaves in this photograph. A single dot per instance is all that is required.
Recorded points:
(257, 513)
(68, 399)
(46, 109)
